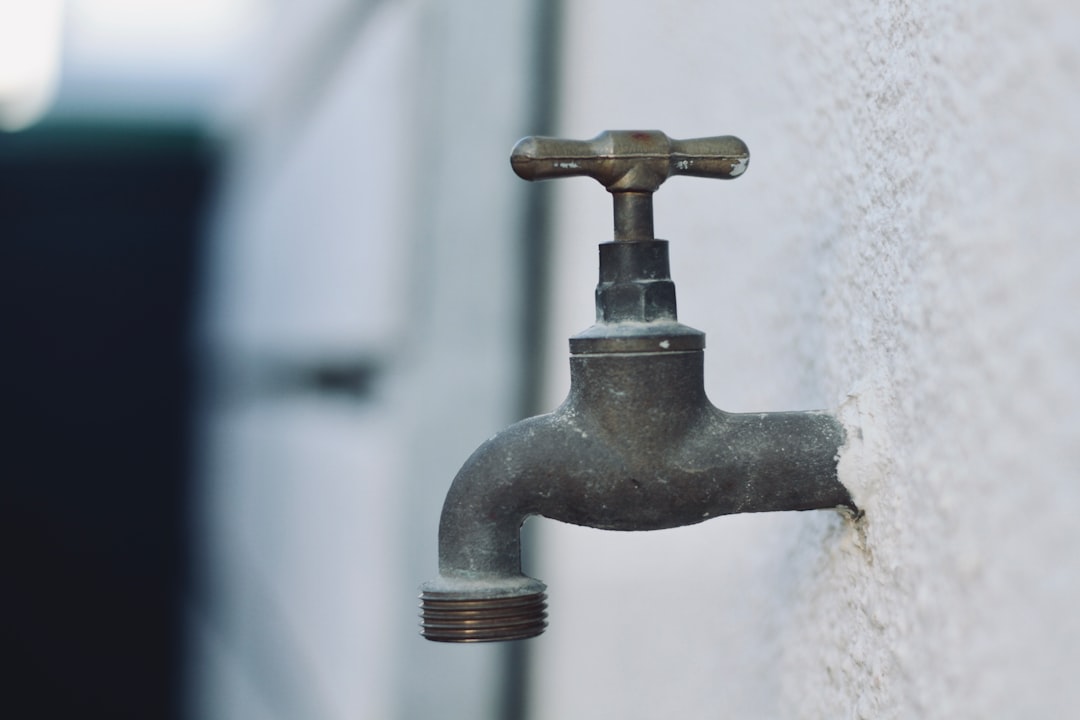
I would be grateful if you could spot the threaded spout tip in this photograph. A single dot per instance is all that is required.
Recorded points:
(449, 617)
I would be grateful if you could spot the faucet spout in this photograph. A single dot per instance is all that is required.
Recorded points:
(636, 446)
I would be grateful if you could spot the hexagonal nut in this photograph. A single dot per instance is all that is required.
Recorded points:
(641, 301)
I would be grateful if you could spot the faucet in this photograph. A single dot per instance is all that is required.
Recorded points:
(636, 445)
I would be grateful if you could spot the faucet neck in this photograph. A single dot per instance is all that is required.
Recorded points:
(635, 282)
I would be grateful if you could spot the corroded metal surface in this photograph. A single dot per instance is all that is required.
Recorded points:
(636, 445)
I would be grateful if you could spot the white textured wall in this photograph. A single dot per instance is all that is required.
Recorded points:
(903, 247)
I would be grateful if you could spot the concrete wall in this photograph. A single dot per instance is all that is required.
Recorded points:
(902, 248)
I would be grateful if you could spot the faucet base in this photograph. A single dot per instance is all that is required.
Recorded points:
(470, 620)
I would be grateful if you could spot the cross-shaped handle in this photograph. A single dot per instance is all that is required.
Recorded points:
(631, 164)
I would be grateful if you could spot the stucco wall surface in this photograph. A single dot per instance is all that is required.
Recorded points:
(902, 250)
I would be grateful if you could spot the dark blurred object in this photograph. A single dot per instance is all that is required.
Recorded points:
(99, 232)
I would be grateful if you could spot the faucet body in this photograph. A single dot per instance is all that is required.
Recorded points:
(637, 445)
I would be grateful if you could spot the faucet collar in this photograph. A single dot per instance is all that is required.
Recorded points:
(635, 304)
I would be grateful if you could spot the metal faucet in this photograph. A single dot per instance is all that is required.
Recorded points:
(636, 445)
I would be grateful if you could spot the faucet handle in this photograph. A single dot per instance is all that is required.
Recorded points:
(630, 160)
(631, 164)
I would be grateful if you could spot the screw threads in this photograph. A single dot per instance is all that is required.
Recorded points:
(449, 617)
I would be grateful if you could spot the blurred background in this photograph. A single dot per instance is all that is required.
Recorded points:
(266, 280)
(264, 269)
